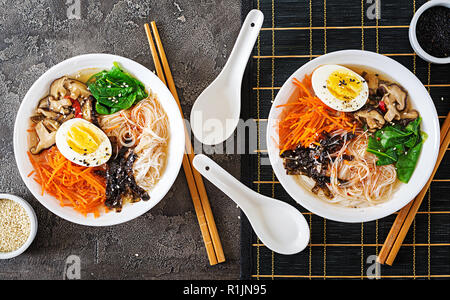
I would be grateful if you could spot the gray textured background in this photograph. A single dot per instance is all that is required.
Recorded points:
(165, 243)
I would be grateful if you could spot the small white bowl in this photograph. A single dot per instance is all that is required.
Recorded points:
(421, 101)
(413, 36)
(175, 148)
(33, 226)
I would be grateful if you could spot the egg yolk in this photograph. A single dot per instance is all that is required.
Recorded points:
(344, 85)
(82, 139)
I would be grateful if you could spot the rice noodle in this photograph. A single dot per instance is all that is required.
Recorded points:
(366, 183)
(146, 127)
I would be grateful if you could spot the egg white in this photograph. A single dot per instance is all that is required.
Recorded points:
(100, 156)
(319, 83)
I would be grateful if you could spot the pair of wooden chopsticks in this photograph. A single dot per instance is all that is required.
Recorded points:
(194, 179)
(407, 214)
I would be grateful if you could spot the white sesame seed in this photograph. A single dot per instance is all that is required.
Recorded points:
(15, 225)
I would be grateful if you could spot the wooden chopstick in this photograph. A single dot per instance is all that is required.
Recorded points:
(195, 181)
(156, 60)
(187, 167)
(393, 233)
(190, 151)
(407, 214)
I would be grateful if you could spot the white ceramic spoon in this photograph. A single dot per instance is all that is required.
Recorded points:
(216, 111)
(280, 226)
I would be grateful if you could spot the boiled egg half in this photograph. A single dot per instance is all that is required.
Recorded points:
(83, 143)
(340, 88)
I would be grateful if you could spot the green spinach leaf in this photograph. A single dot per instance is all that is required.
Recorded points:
(115, 90)
(407, 163)
(399, 145)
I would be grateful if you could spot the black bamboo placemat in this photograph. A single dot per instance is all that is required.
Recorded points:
(294, 32)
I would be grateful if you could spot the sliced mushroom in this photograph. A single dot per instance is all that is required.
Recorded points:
(61, 106)
(411, 114)
(395, 99)
(46, 139)
(57, 88)
(37, 118)
(67, 86)
(51, 125)
(77, 89)
(88, 110)
(372, 118)
(372, 82)
(48, 114)
(399, 95)
(408, 117)
(64, 118)
(45, 102)
(391, 110)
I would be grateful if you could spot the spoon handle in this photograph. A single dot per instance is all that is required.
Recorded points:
(223, 180)
(281, 227)
(243, 47)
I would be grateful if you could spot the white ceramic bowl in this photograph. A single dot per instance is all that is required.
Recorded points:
(33, 226)
(421, 101)
(413, 37)
(103, 61)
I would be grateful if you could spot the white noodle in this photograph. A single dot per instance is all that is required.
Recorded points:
(146, 127)
(367, 184)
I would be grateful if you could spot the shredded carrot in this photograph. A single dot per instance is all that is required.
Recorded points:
(73, 185)
(306, 119)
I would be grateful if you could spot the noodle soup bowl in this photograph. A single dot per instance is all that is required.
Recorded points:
(175, 149)
(404, 193)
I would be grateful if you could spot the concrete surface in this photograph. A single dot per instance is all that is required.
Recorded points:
(165, 243)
